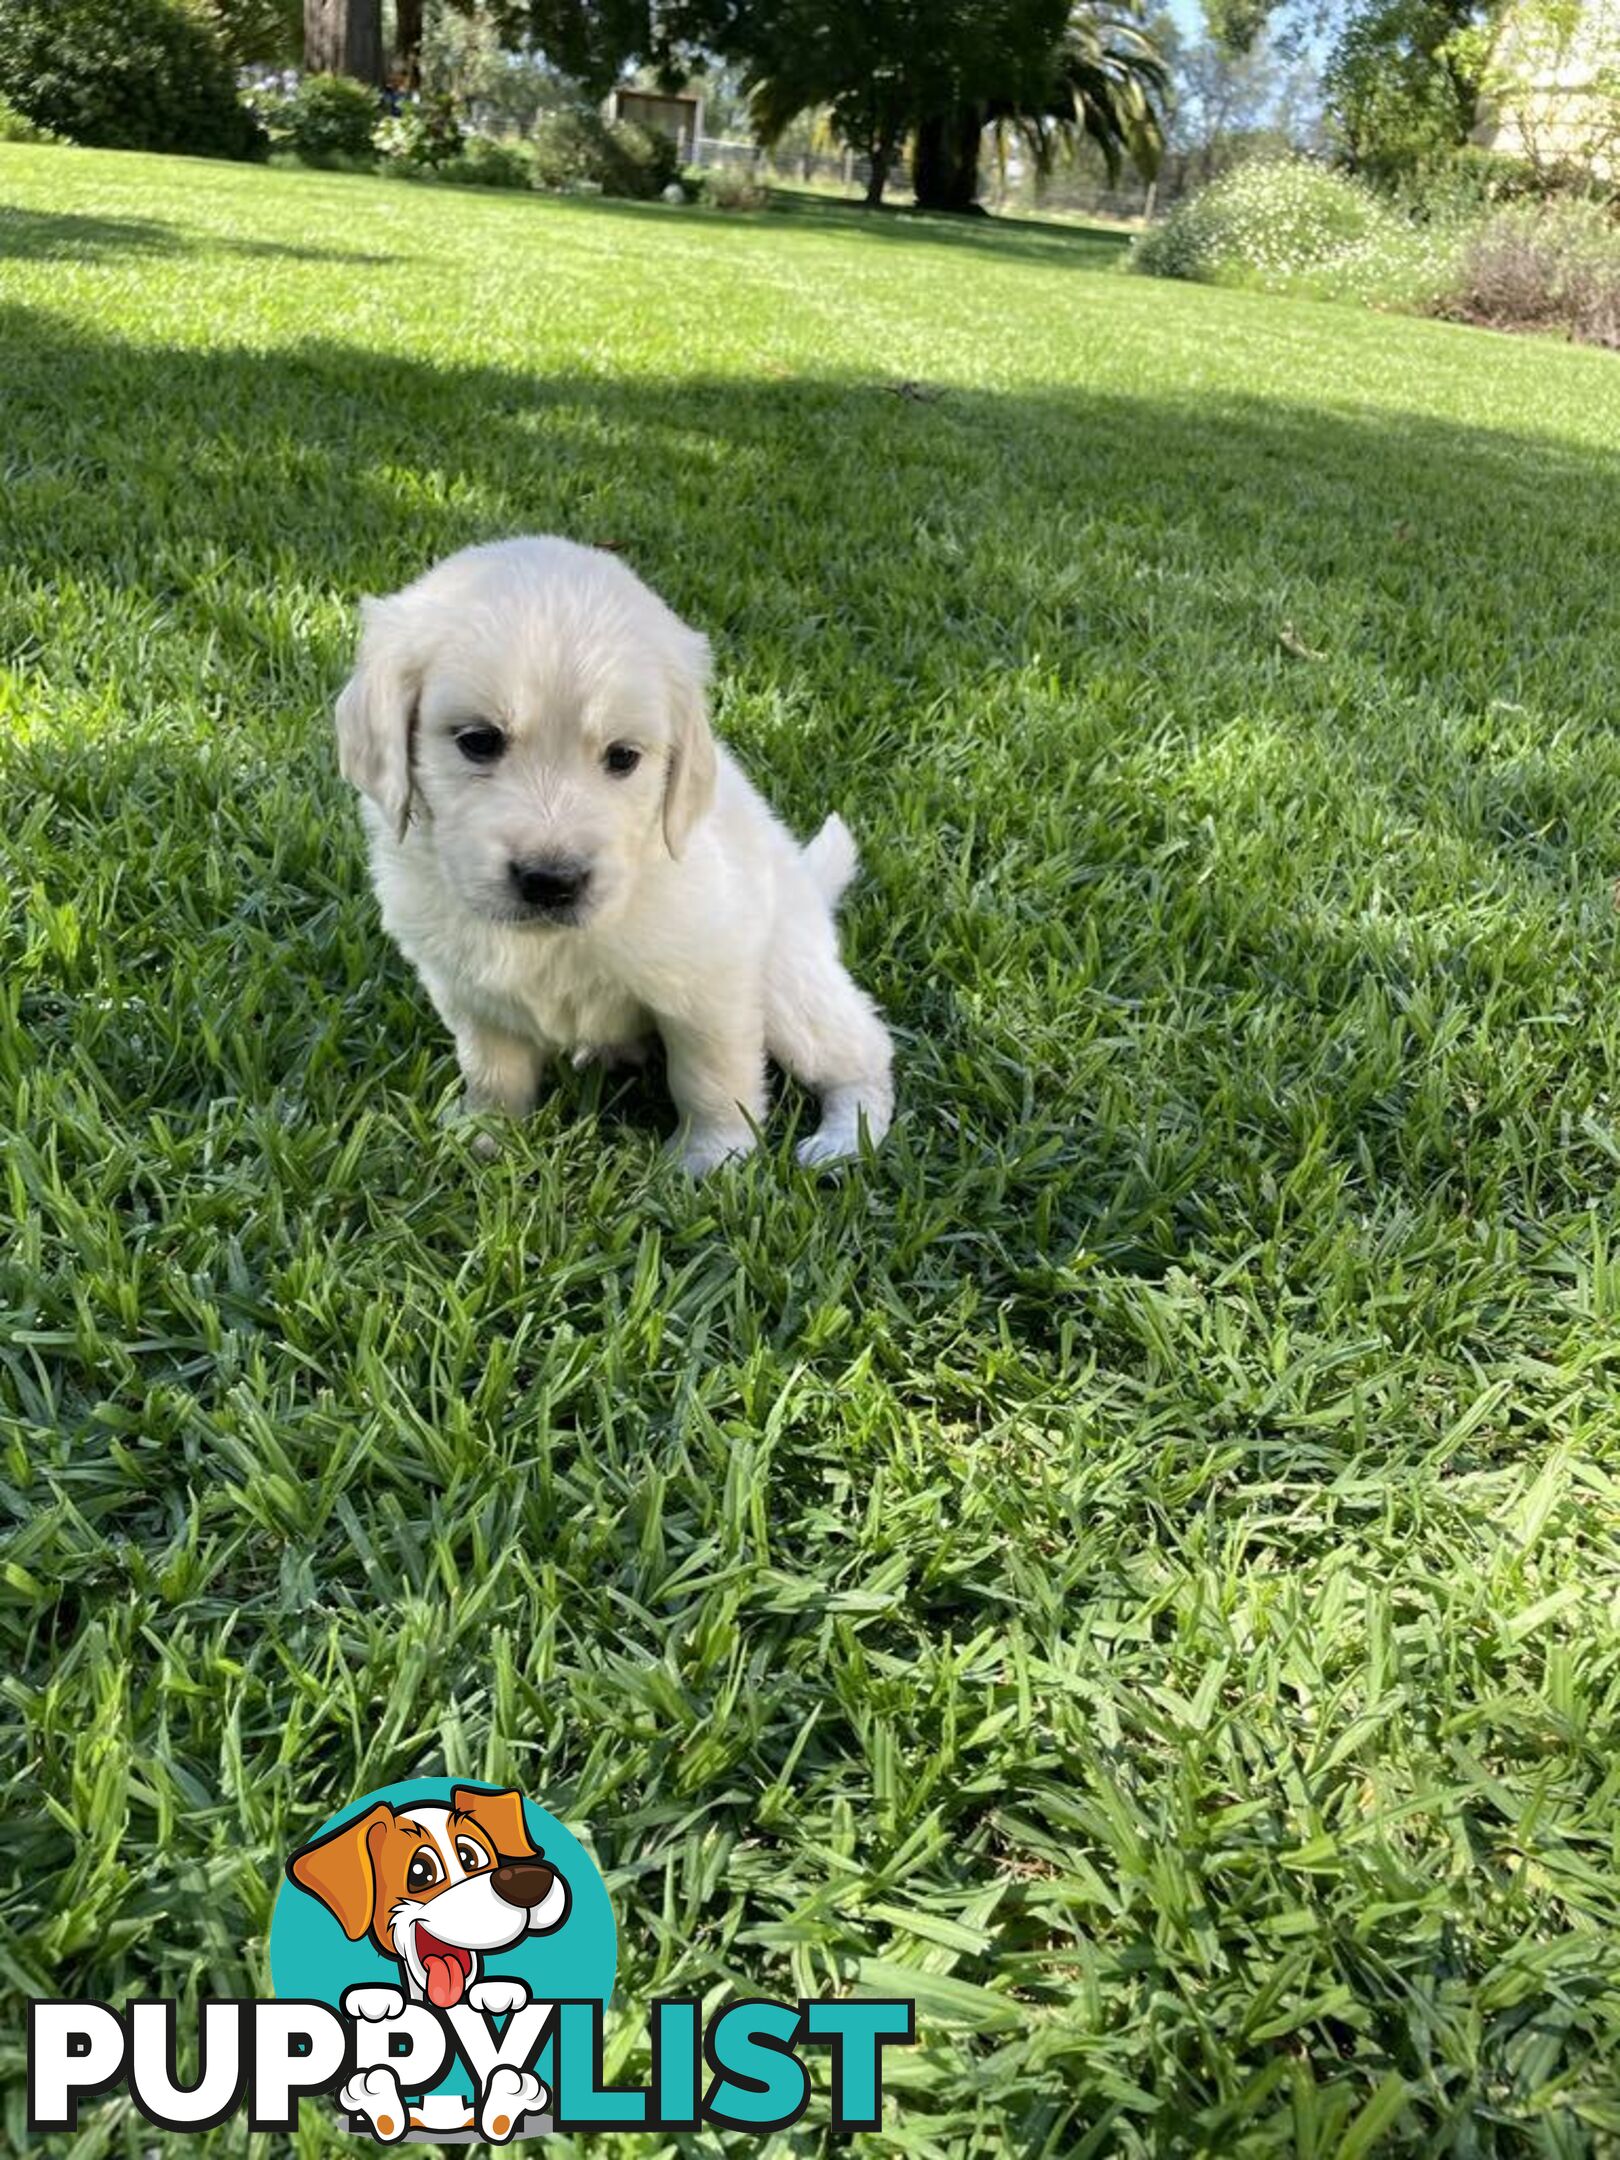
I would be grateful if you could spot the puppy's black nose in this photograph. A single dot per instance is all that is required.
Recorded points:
(521, 1882)
(552, 887)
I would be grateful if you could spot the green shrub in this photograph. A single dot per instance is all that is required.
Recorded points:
(568, 149)
(17, 127)
(124, 74)
(486, 163)
(732, 187)
(1471, 178)
(420, 138)
(643, 161)
(576, 148)
(329, 119)
(1541, 266)
(1291, 226)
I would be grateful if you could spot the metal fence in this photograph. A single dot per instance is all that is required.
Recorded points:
(1131, 201)
(812, 168)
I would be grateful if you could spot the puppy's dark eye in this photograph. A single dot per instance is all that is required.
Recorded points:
(620, 758)
(471, 1854)
(480, 745)
(424, 1870)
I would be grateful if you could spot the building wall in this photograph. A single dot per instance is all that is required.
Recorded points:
(1554, 86)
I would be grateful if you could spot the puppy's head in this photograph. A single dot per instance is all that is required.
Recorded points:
(436, 1886)
(542, 715)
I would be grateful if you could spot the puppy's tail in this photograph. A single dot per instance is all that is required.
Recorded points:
(831, 858)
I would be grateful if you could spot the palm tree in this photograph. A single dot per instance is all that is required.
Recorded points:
(1105, 82)
(942, 71)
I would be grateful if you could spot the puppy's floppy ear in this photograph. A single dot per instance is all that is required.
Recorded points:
(376, 714)
(500, 1814)
(689, 782)
(340, 1871)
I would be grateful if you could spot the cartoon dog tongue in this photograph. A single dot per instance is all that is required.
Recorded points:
(443, 1982)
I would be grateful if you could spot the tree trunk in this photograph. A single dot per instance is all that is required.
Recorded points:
(945, 159)
(408, 17)
(344, 37)
(882, 153)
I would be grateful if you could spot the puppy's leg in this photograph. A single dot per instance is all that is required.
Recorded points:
(717, 1077)
(502, 1071)
(825, 1031)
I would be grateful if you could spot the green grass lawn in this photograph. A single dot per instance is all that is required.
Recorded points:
(1133, 1566)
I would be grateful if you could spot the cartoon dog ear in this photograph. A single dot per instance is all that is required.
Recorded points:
(376, 714)
(500, 1814)
(339, 1870)
(693, 766)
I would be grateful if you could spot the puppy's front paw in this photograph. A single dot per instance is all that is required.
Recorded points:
(459, 1116)
(825, 1147)
(704, 1148)
(375, 2093)
(498, 1998)
(511, 2095)
(374, 2004)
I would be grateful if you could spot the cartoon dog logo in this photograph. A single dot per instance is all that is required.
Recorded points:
(438, 1888)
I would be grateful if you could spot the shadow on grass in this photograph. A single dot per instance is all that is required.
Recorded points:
(1008, 241)
(1125, 846)
(1043, 240)
(48, 236)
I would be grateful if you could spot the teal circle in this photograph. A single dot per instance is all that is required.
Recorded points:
(312, 1959)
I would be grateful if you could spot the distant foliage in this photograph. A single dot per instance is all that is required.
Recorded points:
(124, 75)
(484, 162)
(1469, 239)
(254, 33)
(424, 137)
(1289, 225)
(1401, 84)
(727, 187)
(1542, 266)
(331, 119)
(16, 126)
(643, 161)
(577, 148)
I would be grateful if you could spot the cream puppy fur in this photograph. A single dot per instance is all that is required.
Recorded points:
(571, 862)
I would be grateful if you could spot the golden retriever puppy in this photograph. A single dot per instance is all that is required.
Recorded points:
(571, 862)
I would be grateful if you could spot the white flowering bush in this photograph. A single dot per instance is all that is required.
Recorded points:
(1286, 225)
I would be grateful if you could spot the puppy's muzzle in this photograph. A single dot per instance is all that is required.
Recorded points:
(521, 1882)
(549, 888)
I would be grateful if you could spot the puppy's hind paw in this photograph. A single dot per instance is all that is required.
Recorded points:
(824, 1147)
(848, 1115)
(375, 2095)
(511, 2094)
(700, 1151)
(471, 1122)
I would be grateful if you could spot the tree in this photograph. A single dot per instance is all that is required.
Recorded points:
(595, 40)
(942, 71)
(1403, 78)
(344, 37)
(1229, 102)
(138, 75)
(936, 72)
(1402, 83)
(255, 32)
(858, 60)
